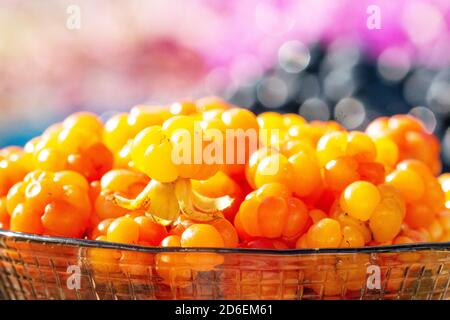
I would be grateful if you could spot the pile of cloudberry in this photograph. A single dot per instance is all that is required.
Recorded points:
(303, 185)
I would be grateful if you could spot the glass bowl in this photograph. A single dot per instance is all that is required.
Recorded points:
(39, 267)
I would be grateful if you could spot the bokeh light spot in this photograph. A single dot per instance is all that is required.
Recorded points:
(422, 21)
(339, 83)
(293, 56)
(426, 116)
(393, 64)
(350, 113)
(315, 109)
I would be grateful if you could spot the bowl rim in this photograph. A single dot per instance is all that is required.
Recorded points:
(75, 242)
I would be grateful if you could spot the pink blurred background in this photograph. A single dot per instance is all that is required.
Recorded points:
(159, 51)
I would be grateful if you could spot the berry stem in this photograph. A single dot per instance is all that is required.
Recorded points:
(190, 203)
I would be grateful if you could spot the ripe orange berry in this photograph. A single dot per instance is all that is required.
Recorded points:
(50, 159)
(74, 140)
(150, 231)
(291, 147)
(100, 160)
(272, 189)
(254, 161)
(84, 121)
(393, 196)
(361, 147)
(324, 234)
(408, 182)
(123, 230)
(247, 218)
(352, 237)
(14, 165)
(387, 152)
(339, 173)
(227, 231)
(117, 132)
(159, 164)
(411, 139)
(185, 107)
(240, 118)
(101, 229)
(360, 199)
(331, 146)
(71, 178)
(243, 235)
(244, 125)
(143, 116)
(16, 195)
(202, 235)
(274, 168)
(171, 241)
(298, 219)
(386, 221)
(419, 215)
(24, 219)
(372, 172)
(292, 119)
(270, 120)
(306, 176)
(272, 214)
(62, 219)
(54, 203)
(404, 123)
